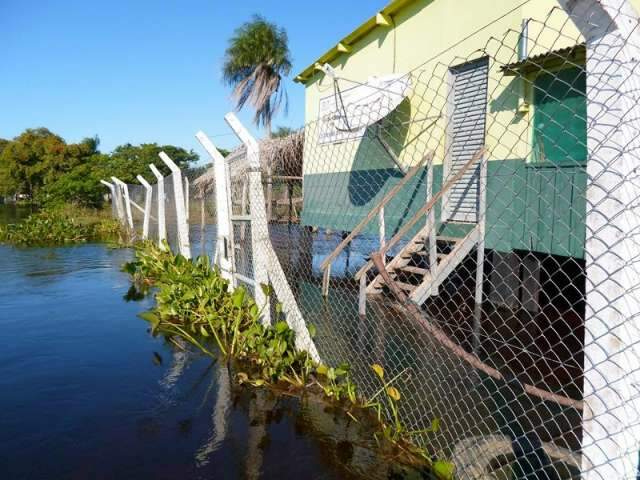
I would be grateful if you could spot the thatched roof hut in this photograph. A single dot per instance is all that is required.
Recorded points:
(283, 155)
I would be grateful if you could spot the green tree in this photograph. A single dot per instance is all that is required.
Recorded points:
(3, 143)
(40, 164)
(127, 161)
(80, 185)
(256, 60)
(37, 158)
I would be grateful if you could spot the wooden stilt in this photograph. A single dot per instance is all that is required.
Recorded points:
(362, 296)
(482, 200)
(269, 194)
(202, 226)
(325, 281)
(381, 231)
(290, 199)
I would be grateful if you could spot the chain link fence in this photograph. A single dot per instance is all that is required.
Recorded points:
(471, 226)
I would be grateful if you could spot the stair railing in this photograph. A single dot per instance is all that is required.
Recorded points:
(426, 210)
(378, 210)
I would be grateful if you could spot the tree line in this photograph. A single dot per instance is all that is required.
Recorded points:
(41, 167)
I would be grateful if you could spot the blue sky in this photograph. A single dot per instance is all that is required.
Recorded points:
(145, 71)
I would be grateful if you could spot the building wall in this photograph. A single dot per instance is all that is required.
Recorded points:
(529, 206)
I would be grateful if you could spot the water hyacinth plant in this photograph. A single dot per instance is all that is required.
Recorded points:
(62, 226)
(195, 303)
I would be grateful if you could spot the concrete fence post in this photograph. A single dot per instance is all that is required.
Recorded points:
(147, 206)
(267, 268)
(186, 198)
(127, 204)
(611, 416)
(114, 206)
(224, 241)
(181, 215)
(162, 227)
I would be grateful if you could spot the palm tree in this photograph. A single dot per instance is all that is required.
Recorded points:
(256, 60)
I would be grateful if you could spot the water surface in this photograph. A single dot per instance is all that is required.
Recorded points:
(86, 392)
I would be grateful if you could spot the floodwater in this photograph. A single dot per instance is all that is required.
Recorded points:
(86, 392)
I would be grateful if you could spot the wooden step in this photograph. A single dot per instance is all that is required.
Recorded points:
(407, 256)
(406, 286)
(445, 238)
(416, 270)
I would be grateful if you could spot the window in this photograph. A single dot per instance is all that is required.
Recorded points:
(560, 117)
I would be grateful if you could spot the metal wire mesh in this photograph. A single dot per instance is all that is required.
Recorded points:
(471, 226)
(200, 205)
(487, 235)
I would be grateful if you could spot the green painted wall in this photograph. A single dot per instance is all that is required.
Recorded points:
(548, 200)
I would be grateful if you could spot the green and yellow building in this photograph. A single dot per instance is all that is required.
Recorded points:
(496, 73)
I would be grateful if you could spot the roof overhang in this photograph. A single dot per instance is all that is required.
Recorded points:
(382, 19)
(571, 56)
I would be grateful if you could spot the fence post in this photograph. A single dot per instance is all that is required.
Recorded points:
(263, 252)
(259, 223)
(186, 198)
(362, 295)
(224, 240)
(181, 216)
(480, 253)
(203, 226)
(382, 230)
(431, 223)
(482, 213)
(162, 227)
(127, 204)
(147, 206)
(114, 206)
(611, 418)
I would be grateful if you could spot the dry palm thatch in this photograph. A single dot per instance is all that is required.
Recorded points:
(281, 155)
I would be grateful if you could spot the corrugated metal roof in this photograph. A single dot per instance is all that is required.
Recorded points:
(574, 55)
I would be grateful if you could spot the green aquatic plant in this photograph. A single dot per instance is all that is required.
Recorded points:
(394, 432)
(62, 225)
(336, 383)
(195, 303)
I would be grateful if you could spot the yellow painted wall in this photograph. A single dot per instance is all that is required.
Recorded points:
(430, 36)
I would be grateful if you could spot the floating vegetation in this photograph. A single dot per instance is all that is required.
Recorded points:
(62, 225)
(194, 303)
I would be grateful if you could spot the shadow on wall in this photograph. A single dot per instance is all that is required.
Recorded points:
(508, 99)
(373, 164)
(375, 169)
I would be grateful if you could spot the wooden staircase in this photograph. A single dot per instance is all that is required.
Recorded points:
(423, 264)
(419, 270)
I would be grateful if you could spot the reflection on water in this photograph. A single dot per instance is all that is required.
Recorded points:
(86, 392)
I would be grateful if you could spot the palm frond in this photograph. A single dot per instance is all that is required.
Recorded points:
(256, 61)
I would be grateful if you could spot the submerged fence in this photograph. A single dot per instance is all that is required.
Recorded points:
(470, 225)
